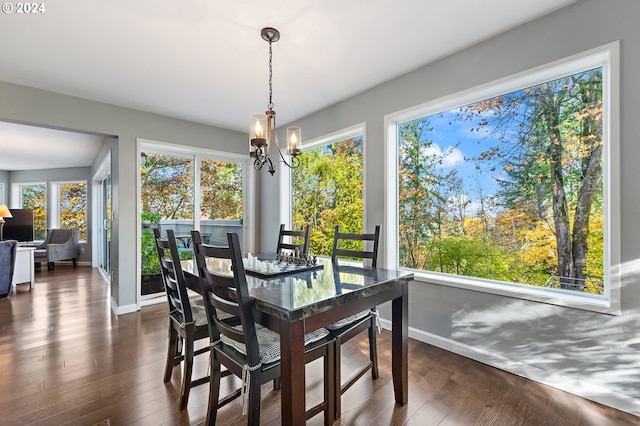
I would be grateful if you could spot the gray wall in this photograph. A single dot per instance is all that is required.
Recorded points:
(591, 354)
(4, 178)
(33, 106)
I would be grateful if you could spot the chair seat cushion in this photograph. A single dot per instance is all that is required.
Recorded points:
(199, 315)
(348, 320)
(269, 342)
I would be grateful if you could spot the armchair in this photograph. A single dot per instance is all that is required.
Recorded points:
(60, 244)
(7, 265)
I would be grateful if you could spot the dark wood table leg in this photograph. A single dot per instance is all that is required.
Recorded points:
(292, 393)
(400, 345)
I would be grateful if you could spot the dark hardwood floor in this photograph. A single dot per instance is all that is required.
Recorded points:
(66, 359)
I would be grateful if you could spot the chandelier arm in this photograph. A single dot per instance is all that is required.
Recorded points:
(257, 164)
(295, 161)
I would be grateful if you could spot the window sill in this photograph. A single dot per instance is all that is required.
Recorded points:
(565, 298)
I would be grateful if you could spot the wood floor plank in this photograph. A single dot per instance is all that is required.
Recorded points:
(65, 359)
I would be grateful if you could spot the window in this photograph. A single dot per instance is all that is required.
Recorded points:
(508, 187)
(34, 196)
(220, 190)
(327, 190)
(184, 188)
(167, 186)
(70, 206)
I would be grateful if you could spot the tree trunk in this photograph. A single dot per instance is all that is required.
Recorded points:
(559, 199)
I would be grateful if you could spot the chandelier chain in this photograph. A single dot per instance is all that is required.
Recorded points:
(270, 106)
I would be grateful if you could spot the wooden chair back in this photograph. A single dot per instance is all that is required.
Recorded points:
(301, 236)
(368, 250)
(173, 276)
(224, 289)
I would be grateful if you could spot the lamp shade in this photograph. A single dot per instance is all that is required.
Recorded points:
(294, 140)
(4, 211)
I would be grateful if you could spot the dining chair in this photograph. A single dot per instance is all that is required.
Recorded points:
(363, 247)
(248, 350)
(187, 320)
(295, 240)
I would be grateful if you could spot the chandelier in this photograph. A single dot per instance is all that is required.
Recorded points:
(263, 132)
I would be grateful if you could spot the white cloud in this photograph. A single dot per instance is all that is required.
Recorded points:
(450, 157)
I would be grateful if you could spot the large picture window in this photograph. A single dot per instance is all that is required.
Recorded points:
(327, 190)
(512, 188)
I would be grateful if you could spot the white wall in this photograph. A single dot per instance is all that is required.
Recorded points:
(590, 354)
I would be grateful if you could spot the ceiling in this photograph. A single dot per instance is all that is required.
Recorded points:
(205, 61)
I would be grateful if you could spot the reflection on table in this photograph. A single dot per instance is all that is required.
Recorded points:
(295, 304)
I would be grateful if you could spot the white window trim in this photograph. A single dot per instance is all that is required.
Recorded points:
(16, 192)
(286, 206)
(608, 57)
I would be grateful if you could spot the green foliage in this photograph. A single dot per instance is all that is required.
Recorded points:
(150, 264)
(35, 197)
(547, 218)
(327, 190)
(221, 190)
(152, 217)
(73, 207)
(167, 188)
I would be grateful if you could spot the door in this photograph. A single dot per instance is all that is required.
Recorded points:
(106, 220)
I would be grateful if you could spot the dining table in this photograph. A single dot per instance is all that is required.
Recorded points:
(293, 301)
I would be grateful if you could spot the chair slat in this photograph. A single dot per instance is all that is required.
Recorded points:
(303, 235)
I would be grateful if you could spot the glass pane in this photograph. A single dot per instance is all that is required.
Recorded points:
(327, 190)
(166, 197)
(35, 197)
(73, 207)
(509, 188)
(221, 200)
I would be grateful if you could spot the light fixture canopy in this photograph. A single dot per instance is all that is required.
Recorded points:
(262, 130)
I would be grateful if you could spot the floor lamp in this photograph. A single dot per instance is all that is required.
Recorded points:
(4, 212)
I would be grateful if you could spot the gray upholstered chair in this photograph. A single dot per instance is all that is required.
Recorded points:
(7, 265)
(60, 244)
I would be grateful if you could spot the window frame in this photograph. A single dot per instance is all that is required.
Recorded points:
(607, 57)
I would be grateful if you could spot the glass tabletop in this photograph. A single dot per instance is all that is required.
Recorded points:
(302, 294)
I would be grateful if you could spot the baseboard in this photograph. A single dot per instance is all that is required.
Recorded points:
(154, 300)
(67, 262)
(576, 387)
(121, 310)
